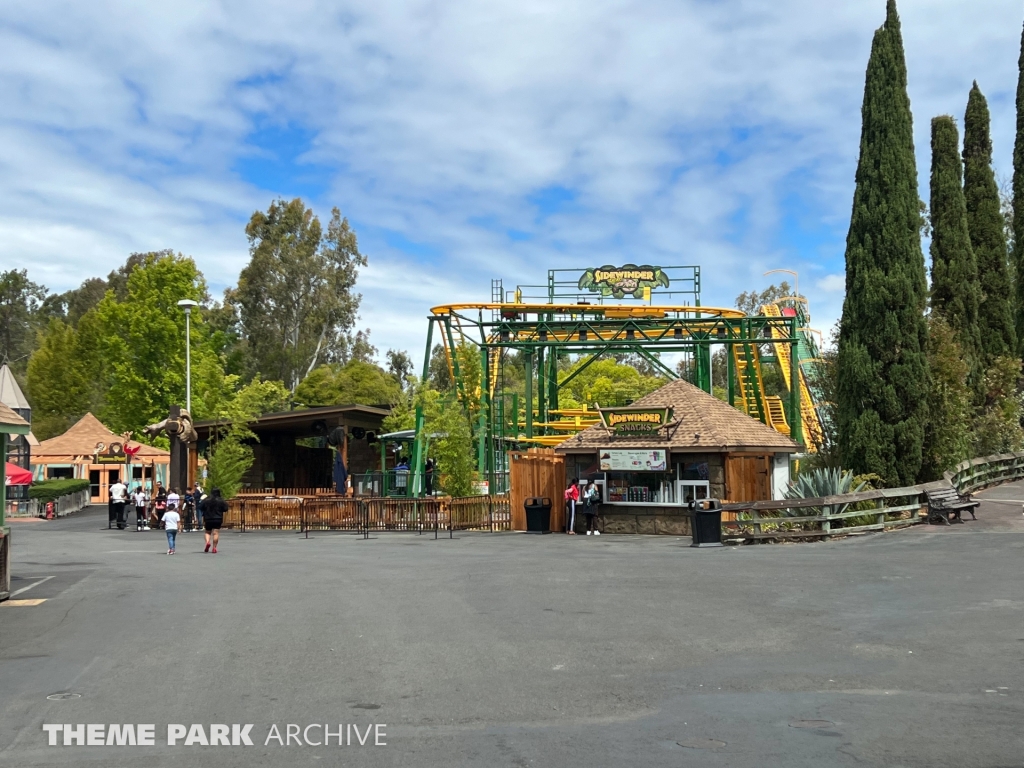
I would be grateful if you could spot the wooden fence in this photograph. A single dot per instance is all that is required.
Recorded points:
(880, 510)
(338, 513)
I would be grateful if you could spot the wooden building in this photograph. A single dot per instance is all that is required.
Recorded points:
(672, 446)
(90, 451)
(293, 451)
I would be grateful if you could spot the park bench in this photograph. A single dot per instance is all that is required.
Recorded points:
(946, 504)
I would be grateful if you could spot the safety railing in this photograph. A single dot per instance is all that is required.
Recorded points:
(63, 505)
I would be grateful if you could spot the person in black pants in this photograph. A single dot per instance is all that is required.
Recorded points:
(214, 508)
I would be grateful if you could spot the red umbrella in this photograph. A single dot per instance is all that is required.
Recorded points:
(15, 475)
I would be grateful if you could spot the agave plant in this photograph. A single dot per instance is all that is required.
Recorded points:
(823, 482)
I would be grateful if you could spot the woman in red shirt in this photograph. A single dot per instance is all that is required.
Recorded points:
(572, 495)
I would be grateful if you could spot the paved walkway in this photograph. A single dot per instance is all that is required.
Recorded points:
(515, 650)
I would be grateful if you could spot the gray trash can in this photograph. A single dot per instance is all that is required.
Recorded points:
(538, 515)
(706, 523)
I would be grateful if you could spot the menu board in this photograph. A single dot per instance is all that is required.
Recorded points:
(644, 460)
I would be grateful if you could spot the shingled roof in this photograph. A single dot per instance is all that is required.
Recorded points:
(700, 423)
(81, 440)
(8, 418)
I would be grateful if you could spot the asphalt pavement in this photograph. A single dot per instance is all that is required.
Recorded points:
(896, 649)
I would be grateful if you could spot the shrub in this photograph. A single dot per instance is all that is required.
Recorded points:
(48, 490)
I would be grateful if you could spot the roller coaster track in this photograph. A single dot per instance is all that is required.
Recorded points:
(808, 410)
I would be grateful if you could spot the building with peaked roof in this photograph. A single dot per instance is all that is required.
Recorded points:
(10, 424)
(90, 451)
(19, 447)
(678, 444)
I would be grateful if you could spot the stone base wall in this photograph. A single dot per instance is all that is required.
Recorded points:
(669, 521)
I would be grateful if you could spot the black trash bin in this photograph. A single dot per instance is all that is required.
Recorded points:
(706, 523)
(538, 515)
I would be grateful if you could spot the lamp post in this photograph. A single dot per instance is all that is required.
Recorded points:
(187, 305)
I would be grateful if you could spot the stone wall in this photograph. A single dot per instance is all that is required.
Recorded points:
(621, 518)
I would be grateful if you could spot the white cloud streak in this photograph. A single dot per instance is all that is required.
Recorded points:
(687, 132)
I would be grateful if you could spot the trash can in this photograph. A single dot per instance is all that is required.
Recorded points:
(706, 523)
(538, 515)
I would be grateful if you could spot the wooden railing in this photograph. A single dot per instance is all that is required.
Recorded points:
(879, 510)
(339, 513)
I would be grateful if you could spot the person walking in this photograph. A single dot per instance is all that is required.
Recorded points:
(197, 498)
(171, 520)
(428, 474)
(140, 500)
(118, 498)
(214, 508)
(572, 495)
(174, 502)
(590, 502)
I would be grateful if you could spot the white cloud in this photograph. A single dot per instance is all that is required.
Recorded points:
(123, 123)
(832, 283)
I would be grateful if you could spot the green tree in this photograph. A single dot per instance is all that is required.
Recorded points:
(985, 221)
(141, 340)
(956, 293)
(20, 301)
(750, 302)
(1018, 201)
(998, 428)
(606, 383)
(295, 296)
(882, 365)
(449, 441)
(58, 383)
(355, 382)
(948, 433)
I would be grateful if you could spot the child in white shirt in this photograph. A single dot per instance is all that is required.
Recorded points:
(171, 521)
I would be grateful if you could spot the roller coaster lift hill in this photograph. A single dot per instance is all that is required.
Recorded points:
(598, 312)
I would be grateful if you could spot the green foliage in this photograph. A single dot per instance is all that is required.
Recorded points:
(141, 340)
(59, 382)
(355, 382)
(295, 296)
(449, 442)
(948, 433)
(985, 220)
(605, 382)
(998, 428)
(440, 375)
(818, 483)
(49, 490)
(750, 302)
(1017, 211)
(882, 365)
(956, 292)
(228, 461)
(20, 300)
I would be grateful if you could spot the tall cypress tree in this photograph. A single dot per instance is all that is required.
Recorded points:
(882, 362)
(955, 290)
(985, 221)
(1018, 201)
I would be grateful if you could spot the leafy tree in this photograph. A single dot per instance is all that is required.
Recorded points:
(985, 221)
(400, 366)
(141, 340)
(750, 302)
(998, 429)
(295, 296)
(1018, 200)
(607, 383)
(882, 365)
(956, 292)
(356, 382)
(440, 375)
(948, 433)
(449, 441)
(20, 300)
(58, 383)
(228, 461)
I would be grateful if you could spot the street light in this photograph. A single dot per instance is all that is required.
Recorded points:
(187, 305)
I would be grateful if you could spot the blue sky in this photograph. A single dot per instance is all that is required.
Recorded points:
(466, 140)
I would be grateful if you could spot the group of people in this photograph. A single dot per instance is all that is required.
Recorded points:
(172, 511)
(590, 497)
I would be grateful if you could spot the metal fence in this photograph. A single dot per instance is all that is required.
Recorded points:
(338, 513)
(63, 505)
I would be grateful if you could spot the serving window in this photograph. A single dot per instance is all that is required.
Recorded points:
(640, 488)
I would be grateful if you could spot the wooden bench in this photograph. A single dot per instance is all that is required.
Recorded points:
(945, 505)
